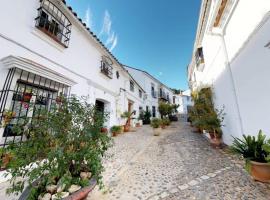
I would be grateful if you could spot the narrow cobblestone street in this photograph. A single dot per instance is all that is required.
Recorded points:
(179, 164)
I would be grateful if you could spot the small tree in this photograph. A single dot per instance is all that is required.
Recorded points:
(165, 109)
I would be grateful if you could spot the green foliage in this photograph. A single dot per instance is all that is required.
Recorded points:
(203, 114)
(155, 123)
(165, 109)
(61, 144)
(251, 147)
(126, 115)
(165, 122)
(116, 129)
(145, 117)
(266, 148)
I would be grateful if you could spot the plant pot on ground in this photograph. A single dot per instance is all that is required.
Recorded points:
(155, 124)
(115, 130)
(256, 151)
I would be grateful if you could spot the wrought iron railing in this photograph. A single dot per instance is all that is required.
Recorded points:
(53, 22)
(22, 97)
(106, 69)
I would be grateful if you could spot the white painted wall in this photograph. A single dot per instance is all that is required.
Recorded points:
(80, 61)
(243, 90)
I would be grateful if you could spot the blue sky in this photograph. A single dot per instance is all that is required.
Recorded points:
(153, 35)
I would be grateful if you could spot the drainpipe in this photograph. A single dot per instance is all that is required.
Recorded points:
(228, 66)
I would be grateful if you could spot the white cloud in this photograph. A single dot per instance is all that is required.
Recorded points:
(114, 43)
(107, 24)
(89, 17)
(112, 38)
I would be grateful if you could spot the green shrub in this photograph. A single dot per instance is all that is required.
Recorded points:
(251, 148)
(155, 123)
(166, 121)
(146, 117)
(64, 143)
(116, 129)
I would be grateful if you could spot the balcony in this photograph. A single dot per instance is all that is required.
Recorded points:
(106, 69)
(54, 23)
(163, 96)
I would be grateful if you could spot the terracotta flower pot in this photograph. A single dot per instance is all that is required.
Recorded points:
(79, 195)
(27, 97)
(126, 128)
(138, 125)
(212, 135)
(114, 134)
(216, 142)
(104, 130)
(260, 171)
(157, 131)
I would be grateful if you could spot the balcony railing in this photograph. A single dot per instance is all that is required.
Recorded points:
(53, 23)
(106, 69)
(162, 95)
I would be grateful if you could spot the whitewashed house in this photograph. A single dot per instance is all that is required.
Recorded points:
(232, 54)
(155, 90)
(47, 52)
(185, 101)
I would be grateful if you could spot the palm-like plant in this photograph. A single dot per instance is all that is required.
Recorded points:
(251, 147)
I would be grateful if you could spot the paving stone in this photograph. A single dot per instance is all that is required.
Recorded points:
(211, 175)
(145, 167)
(204, 177)
(183, 187)
(164, 194)
(174, 190)
(193, 183)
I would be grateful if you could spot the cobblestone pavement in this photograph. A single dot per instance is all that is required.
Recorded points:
(179, 164)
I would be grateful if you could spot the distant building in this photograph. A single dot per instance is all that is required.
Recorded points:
(154, 89)
(185, 102)
(232, 55)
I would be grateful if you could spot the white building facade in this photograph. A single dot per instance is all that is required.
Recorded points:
(47, 52)
(231, 54)
(155, 90)
(185, 101)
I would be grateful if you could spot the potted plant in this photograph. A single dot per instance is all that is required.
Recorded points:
(64, 153)
(165, 122)
(155, 124)
(146, 117)
(256, 153)
(213, 124)
(27, 95)
(104, 130)
(127, 115)
(115, 130)
(8, 115)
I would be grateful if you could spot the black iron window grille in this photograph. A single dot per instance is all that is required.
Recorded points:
(140, 93)
(106, 69)
(25, 94)
(53, 22)
(199, 56)
(131, 86)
